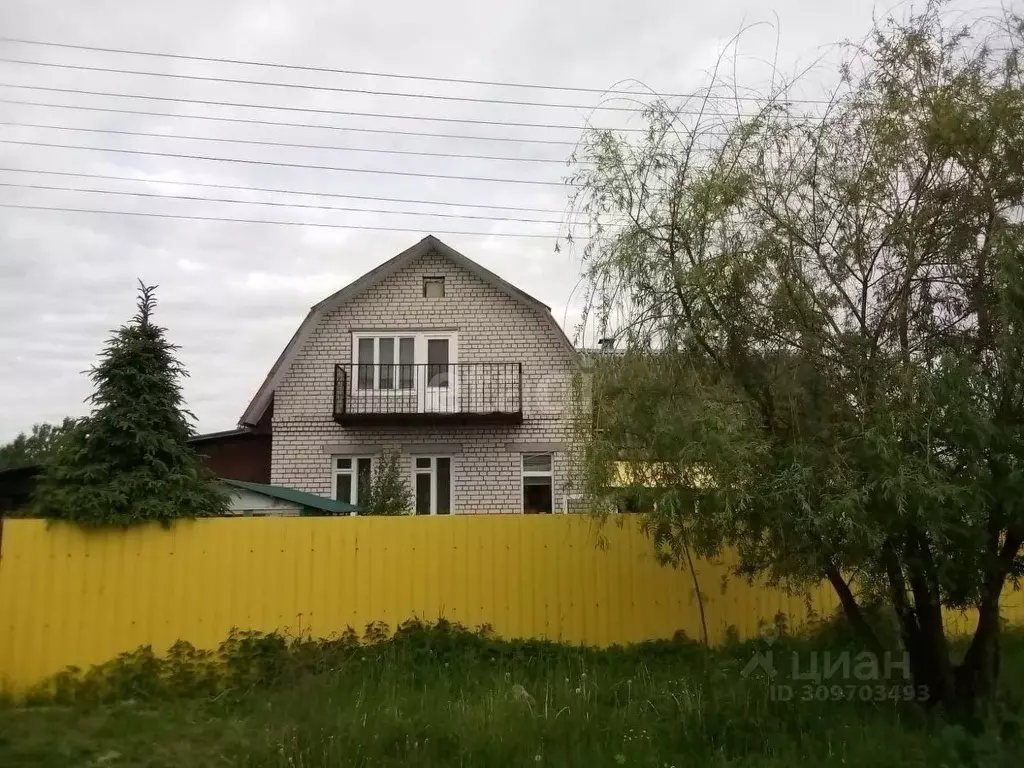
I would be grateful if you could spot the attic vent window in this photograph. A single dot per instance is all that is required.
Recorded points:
(433, 287)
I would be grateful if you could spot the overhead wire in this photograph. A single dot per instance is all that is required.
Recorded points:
(286, 144)
(282, 124)
(198, 198)
(693, 112)
(313, 110)
(389, 75)
(325, 225)
(280, 164)
(302, 86)
(310, 87)
(281, 191)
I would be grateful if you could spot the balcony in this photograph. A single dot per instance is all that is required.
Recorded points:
(428, 393)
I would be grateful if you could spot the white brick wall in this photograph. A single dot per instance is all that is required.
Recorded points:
(491, 326)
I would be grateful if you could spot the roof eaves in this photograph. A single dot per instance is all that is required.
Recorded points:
(293, 496)
(254, 411)
(224, 433)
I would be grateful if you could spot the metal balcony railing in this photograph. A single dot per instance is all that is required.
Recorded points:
(428, 392)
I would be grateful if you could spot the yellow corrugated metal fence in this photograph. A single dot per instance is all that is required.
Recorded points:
(70, 596)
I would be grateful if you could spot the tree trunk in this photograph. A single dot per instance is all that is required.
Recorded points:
(978, 673)
(700, 598)
(931, 648)
(921, 630)
(853, 612)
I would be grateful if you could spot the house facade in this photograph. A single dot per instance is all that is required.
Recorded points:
(433, 358)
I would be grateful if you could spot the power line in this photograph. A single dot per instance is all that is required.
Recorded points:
(278, 191)
(290, 145)
(276, 164)
(308, 87)
(389, 75)
(253, 121)
(313, 110)
(197, 198)
(361, 91)
(59, 209)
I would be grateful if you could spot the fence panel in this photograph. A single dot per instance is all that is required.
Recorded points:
(70, 596)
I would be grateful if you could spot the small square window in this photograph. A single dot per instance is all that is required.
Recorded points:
(423, 463)
(433, 287)
(344, 463)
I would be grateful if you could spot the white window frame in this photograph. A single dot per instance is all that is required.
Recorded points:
(376, 338)
(419, 338)
(353, 472)
(523, 474)
(432, 471)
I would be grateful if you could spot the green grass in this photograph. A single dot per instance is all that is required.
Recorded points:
(444, 697)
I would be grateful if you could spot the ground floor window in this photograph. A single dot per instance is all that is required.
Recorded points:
(538, 483)
(352, 477)
(432, 485)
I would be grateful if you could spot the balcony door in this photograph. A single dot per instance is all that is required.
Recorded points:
(437, 395)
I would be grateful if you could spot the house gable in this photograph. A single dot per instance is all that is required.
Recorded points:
(371, 302)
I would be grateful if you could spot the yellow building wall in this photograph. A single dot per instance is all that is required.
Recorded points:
(70, 596)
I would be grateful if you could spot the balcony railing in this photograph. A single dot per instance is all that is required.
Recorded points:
(428, 393)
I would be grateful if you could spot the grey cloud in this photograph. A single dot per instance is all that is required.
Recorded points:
(232, 294)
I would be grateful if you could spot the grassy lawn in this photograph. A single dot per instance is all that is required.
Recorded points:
(454, 699)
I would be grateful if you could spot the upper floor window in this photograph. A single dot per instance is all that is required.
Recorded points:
(385, 362)
(399, 361)
(433, 287)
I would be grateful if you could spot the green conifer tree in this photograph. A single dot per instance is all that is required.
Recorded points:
(129, 461)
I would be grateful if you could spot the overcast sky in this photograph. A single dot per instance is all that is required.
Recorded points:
(232, 294)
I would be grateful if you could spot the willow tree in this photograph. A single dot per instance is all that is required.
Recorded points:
(820, 314)
(32, 447)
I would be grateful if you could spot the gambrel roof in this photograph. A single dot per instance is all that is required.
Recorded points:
(428, 244)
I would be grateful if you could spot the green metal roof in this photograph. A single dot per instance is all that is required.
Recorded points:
(306, 500)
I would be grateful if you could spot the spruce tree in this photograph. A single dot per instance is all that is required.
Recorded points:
(129, 461)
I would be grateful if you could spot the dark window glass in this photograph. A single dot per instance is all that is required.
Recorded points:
(344, 490)
(406, 352)
(365, 378)
(364, 469)
(444, 486)
(537, 496)
(344, 464)
(437, 363)
(422, 494)
(422, 463)
(387, 363)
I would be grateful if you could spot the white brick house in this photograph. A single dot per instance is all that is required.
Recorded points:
(434, 357)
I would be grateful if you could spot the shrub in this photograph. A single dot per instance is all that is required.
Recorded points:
(389, 492)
